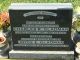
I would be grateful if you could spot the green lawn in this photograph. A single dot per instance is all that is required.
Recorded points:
(35, 1)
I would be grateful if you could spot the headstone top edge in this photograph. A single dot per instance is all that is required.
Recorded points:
(28, 6)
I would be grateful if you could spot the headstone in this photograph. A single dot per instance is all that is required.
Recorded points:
(41, 26)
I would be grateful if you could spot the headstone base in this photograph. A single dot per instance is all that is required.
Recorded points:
(58, 55)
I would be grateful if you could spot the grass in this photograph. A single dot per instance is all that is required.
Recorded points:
(4, 4)
(35, 1)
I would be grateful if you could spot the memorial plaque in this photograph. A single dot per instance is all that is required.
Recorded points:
(41, 26)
